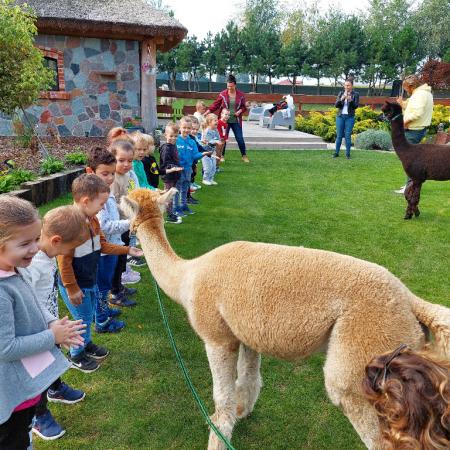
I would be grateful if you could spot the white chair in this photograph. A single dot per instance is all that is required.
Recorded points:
(255, 113)
(282, 117)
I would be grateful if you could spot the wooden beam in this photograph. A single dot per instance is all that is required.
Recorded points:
(148, 85)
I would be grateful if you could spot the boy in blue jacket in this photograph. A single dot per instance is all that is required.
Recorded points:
(188, 154)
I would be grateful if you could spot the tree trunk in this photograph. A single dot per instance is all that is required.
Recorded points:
(318, 82)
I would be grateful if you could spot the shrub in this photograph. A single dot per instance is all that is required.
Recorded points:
(51, 165)
(374, 140)
(441, 114)
(13, 179)
(76, 158)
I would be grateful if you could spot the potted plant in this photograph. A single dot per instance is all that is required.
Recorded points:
(133, 124)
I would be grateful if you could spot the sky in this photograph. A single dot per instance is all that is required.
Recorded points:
(201, 16)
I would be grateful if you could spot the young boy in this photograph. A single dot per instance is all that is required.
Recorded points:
(188, 153)
(169, 159)
(195, 134)
(60, 234)
(78, 270)
(102, 163)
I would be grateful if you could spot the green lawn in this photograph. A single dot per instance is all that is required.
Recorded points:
(139, 400)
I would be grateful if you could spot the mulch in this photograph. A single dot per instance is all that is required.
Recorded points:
(30, 158)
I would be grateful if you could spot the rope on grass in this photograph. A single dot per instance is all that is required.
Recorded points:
(188, 380)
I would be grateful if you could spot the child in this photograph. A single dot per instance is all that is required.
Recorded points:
(60, 234)
(144, 143)
(222, 127)
(140, 150)
(103, 164)
(169, 159)
(78, 270)
(30, 361)
(211, 138)
(188, 153)
(200, 109)
(125, 180)
(196, 136)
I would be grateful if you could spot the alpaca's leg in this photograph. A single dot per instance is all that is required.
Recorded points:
(415, 198)
(248, 383)
(222, 362)
(408, 197)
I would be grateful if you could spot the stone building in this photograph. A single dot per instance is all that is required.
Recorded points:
(103, 53)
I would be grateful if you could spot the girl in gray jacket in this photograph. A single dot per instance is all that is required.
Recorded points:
(30, 361)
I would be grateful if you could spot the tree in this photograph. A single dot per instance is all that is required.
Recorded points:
(436, 74)
(190, 55)
(209, 60)
(229, 49)
(169, 62)
(23, 74)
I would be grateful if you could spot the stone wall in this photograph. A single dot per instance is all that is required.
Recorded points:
(101, 81)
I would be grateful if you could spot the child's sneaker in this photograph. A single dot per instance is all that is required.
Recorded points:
(214, 183)
(192, 201)
(83, 363)
(95, 351)
(192, 187)
(46, 427)
(136, 261)
(128, 291)
(121, 300)
(65, 394)
(131, 277)
(187, 210)
(207, 182)
(173, 218)
(197, 186)
(180, 213)
(110, 326)
(114, 312)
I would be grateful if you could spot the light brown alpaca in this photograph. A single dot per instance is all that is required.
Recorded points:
(246, 298)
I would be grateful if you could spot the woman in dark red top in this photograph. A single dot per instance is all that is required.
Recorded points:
(234, 101)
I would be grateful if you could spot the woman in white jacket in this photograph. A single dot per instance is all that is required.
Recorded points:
(417, 112)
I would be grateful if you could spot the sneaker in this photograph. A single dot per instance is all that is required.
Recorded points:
(46, 427)
(335, 155)
(136, 261)
(114, 312)
(193, 201)
(121, 300)
(110, 326)
(187, 210)
(348, 156)
(180, 213)
(192, 187)
(173, 218)
(214, 183)
(197, 186)
(128, 291)
(207, 182)
(131, 277)
(245, 159)
(83, 363)
(401, 190)
(65, 394)
(95, 351)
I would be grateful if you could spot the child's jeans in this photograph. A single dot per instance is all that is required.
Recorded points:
(105, 272)
(168, 185)
(121, 266)
(183, 184)
(209, 167)
(84, 311)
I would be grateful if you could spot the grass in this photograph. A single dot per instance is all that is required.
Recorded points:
(138, 399)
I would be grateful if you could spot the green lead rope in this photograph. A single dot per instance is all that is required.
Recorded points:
(197, 398)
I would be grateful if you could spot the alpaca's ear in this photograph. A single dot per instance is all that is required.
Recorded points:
(129, 207)
(166, 197)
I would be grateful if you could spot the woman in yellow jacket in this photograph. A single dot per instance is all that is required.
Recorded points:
(417, 112)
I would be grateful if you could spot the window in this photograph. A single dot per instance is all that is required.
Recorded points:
(54, 60)
(52, 64)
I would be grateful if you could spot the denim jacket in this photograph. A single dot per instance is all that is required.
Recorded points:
(352, 104)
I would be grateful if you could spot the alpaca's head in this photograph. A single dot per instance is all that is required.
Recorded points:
(144, 204)
(391, 109)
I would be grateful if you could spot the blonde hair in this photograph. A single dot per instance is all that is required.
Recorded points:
(68, 222)
(140, 138)
(200, 103)
(117, 133)
(194, 120)
(413, 81)
(209, 118)
(172, 126)
(15, 213)
(185, 119)
(126, 145)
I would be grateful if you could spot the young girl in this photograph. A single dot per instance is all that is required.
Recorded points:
(222, 127)
(30, 361)
(200, 109)
(210, 138)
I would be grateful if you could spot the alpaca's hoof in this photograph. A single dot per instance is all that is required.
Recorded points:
(417, 213)
(407, 216)
(242, 412)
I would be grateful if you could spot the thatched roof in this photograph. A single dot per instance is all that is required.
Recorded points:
(115, 19)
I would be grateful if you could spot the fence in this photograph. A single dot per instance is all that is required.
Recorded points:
(299, 100)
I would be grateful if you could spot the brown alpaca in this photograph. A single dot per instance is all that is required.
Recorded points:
(421, 162)
(248, 298)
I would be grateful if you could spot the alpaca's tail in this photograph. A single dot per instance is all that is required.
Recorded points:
(437, 319)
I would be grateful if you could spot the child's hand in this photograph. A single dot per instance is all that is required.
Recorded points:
(217, 157)
(135, 251)
(77, 298)
(207, 153)
(174, 169)
(68, 332)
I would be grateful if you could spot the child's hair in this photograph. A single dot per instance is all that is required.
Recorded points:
(140, 138)
(194, 120)
(410, 392)
(172, 126)
(185, 119)
(67, 222)
(209, 118)
(224, 110)
(200, 104)
(117, 133)
(99, 155)
(88, 185)
(120, 144)
(15, 213)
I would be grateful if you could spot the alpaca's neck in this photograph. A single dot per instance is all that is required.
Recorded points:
(165, 265)
(398, 135)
